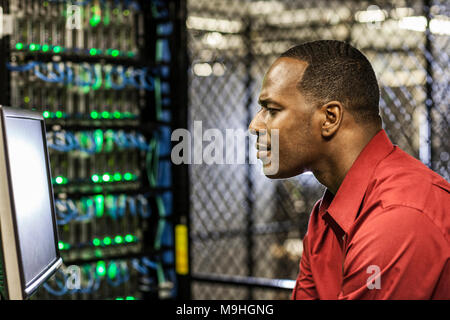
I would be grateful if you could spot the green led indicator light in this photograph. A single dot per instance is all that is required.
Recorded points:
(96, 12)
(98, 137)
(94, 114)
(112, 271)
(128, 176)
(101, 268)
(99, 205)
(115, 53)
(59, 114)
(119, 298)
(117, 176)
(46, 114)
(63, 246)
(33, 47)
(118, 239)
(106, 177)
(57, 49)
(129, 238)
(19, 46)
(45, 47)
(60, 180)
(95, 20)
(107, 241)
(89, 202)
(96, 242)
(93, 52)
(95, 178)
(105, 114)
(130, 298)
(117, 114)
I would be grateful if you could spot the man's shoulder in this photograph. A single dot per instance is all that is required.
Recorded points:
(400, 179)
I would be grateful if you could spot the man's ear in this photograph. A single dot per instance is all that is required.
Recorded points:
(332, 114)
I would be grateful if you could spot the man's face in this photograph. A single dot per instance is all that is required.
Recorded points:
(284, 108)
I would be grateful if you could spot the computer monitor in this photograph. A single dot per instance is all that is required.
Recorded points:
(29, 252)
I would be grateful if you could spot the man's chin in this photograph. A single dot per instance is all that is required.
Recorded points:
(272, 172)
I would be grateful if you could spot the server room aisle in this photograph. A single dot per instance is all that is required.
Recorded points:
(102, 75)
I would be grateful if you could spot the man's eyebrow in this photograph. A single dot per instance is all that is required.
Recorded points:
(265, 101)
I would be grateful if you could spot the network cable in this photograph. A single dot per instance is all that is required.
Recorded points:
(96, 141)
(62, 289)
(88, 76)
(116, 273)
(144, 263)
(88, 208)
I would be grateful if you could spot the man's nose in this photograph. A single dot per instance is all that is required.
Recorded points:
(257, 126)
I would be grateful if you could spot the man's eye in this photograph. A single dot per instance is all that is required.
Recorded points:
(272, 111)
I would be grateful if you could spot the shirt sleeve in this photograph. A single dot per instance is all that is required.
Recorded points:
(305, 288)
(400, 254)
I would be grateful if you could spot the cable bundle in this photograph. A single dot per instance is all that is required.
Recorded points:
(89, 278)
(88, 75)
(115, 206)
(96, 141)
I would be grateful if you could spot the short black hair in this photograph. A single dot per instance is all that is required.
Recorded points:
(338, 71)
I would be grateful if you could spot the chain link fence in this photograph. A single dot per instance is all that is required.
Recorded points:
(243, 224)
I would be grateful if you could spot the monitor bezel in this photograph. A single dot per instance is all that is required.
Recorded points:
(27, 289)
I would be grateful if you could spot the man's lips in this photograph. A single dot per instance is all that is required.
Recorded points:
(262, 147)
(263, 152)
(264, 156)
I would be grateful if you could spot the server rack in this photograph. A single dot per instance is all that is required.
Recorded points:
(109, 77)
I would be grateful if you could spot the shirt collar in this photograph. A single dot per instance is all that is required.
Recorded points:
(344, 206)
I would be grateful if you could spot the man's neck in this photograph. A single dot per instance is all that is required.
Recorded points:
(340, 158)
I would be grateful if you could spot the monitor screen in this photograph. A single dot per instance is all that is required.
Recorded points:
(31, 199)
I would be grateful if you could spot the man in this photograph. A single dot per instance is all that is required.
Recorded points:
(381, 229)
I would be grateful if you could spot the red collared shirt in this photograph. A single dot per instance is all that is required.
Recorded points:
(384, 235)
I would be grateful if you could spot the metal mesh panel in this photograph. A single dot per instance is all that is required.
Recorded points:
(270, 294)
(213, 254)
(207, 291)
(245, 224)
(439, 60)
